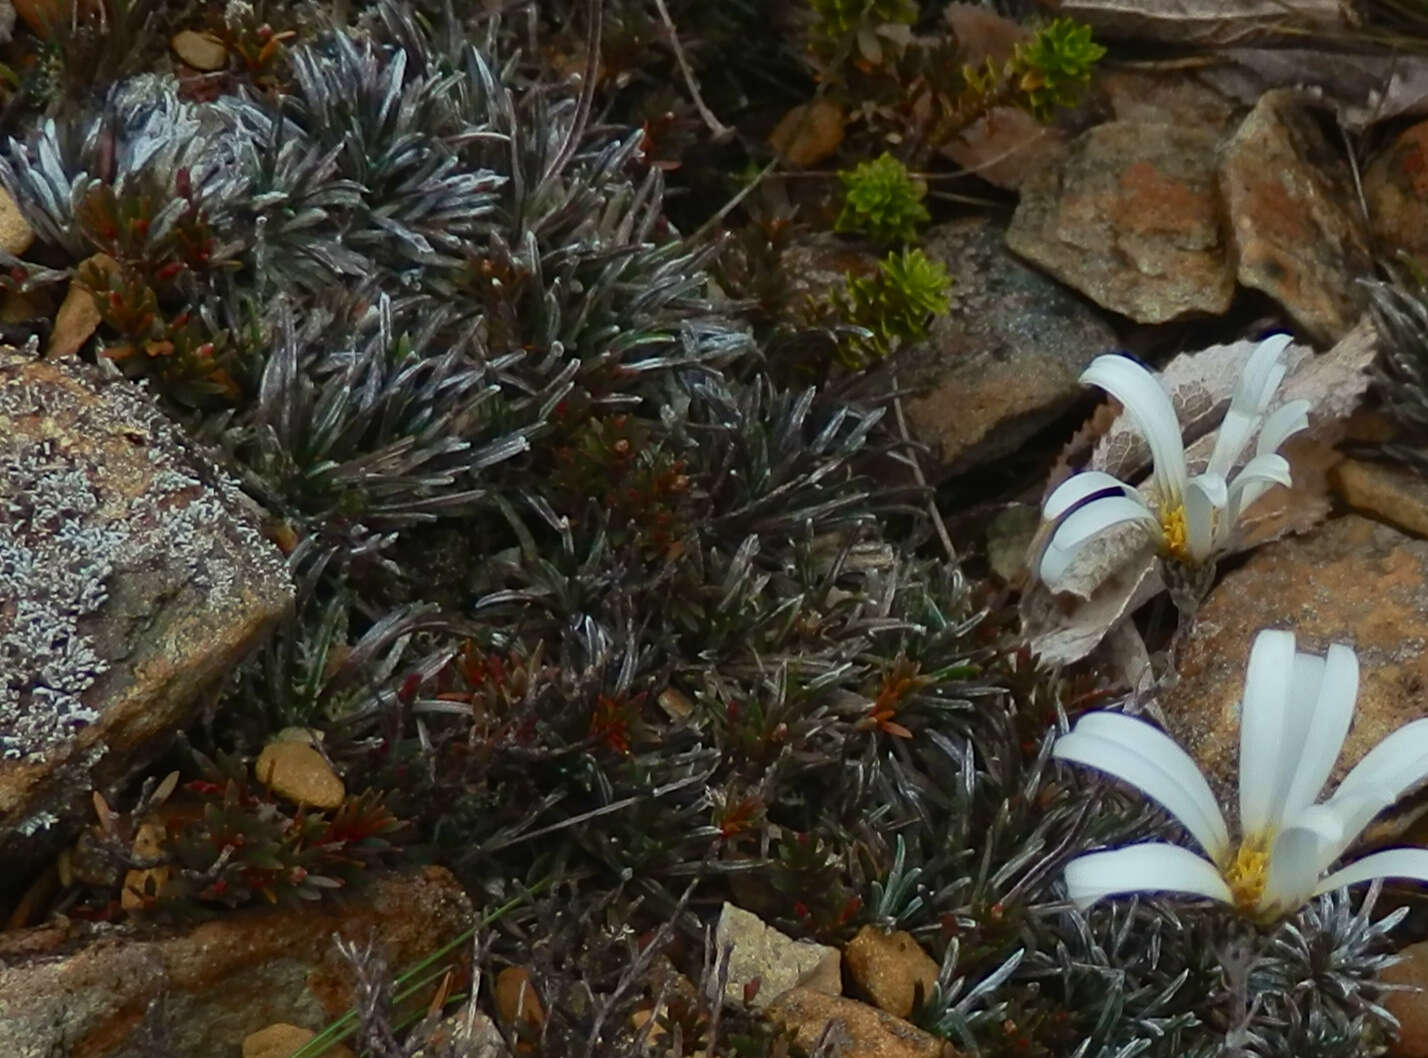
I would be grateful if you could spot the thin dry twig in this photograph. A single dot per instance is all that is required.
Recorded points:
(717, 128)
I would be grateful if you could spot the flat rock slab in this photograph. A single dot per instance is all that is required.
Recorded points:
(1133, 220)
(98, 991)
(1350, 581)
(133, 576)
(1289, 197)
(1003, 360)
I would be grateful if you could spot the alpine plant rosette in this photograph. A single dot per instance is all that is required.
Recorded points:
(1294, 715)
(1190, 518)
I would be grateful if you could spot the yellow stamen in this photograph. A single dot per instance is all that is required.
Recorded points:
(1175, 536)
(1246, 874)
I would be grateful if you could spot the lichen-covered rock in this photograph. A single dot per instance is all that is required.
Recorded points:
(1133, 220)
(89, 990)
(1290, 202)
(132, 577)
(1005, 357)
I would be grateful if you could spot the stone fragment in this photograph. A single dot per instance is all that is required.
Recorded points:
(1397, 495)
(301, 774)
(860, 1031)
(133, 576)
(1002, 361)
(1396, 190)
(808, 133)
(1167, 97)
(1132, 219)
(469, 1033)
(89, 989)
(16, 235)
(776, 961)
(1290, 201)
(1349, 581)
(1410, 1007)
(890, 968)
(281, 1039)
(202, 51)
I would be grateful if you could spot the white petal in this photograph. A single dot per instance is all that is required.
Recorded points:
(1300, 853)
(1264, 764)
(1149, 407)
(1151, 763)
(1085, 522)
(1079, 487)
(1331, 702)
(1355, 810)
(1261, 374)
(1149, 868)
(1286, 421)
(1391, 863)
(1395, 765)
(1183, 779)
(1255, 479)
(1205, 500)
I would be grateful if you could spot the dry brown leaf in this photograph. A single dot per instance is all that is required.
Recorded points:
(983, 34)
(1363, 89)
(1059, 635)
(1209, 22)
(808, 133)
(1006, 147)
(1118, 572)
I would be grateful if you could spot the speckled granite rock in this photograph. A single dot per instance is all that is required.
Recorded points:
(1004, 358)
(96, 991)
(132, 577)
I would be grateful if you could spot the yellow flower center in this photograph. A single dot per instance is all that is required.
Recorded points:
(1246, 874)
(1174, 536)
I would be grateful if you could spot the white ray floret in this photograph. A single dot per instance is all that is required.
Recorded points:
(1293, 719)
(1189, 518)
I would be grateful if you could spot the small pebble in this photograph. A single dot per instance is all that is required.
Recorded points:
(202, 51)
(299, 773)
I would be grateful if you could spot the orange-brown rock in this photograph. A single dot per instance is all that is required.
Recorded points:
(1394, 494)
(298, 772)
(89, 991)
(890, 968)
(1004, 358)
(1396, 191)
(860, 1031)
(1411, 1007)
(1132, 219)
(1349, 581)
(1290, 200)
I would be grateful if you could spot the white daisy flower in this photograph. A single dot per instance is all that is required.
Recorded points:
(1293, 718)
(1190, 518)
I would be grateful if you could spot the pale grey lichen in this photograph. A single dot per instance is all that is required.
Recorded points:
(90, 559)
(54, 565)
